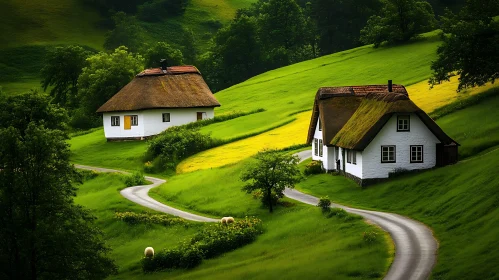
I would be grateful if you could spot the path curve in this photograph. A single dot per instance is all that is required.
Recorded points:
(139, 195)
(415, 246)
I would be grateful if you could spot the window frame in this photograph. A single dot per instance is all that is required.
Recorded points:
(115, 123)
(354, 157)
(394, 154)
(166, 114)
(402, 118)
(349, 156)
(321, 145)
(320, 124)
(316, 147)
(132, 118)
(422, 154)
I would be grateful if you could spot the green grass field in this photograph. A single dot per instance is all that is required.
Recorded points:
(298, 242)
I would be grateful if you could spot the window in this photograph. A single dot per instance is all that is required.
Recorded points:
(387, 154)
(166, 117)
(349, 156)
(135, 120)
(316, 147)
(403, 123)
(354, 157)
(320, 147)
(416, 154)
(320, 124)
(115, 120)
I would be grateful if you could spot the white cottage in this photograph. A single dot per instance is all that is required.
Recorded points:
(155, 100)
(371, 132)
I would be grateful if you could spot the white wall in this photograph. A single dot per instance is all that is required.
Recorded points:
(150, 122)
(317, 135)
(354, 169)
(419, 134)
(119, 131)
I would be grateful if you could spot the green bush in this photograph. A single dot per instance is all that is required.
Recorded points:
(209, 243)
(324, 204)
(315, 167)
(135, 179)
(175, 144)
(342, 214)
(138, 218)
(370, 237)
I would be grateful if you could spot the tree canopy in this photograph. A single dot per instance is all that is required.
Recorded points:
(162, 50)
(273, 172)
(127, 32)
(471, 45)
(400, 21)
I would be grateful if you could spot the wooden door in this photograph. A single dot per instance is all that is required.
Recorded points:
(128, 122)
(200, 116)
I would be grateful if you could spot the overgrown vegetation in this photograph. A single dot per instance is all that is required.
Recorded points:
(135, 179)
(209, 243)
(133, 218)
(314, 167)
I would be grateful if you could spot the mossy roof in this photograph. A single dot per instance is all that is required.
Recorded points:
(352, 120)
(176, 87)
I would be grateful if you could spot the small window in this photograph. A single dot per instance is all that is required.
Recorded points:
(316, 147)
(320, 124)
(416, 154)
(349, 156)
(354, 157)
(387, 154)
(320, 147)
(115, 120)
(166, 117)
(403, 123)
(135, 120)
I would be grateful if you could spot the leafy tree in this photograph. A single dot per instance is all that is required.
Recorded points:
(127, 32)
(44, 235)
(189, 46)
(273, 173)
(61, 72)
(400, 21)
(471, 45)
(105, 75)
(339, 22)
(162, 50)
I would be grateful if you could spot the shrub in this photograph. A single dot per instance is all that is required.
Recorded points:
(209, 243)
(149, 167)
(138, 218)
(370, 237)
(135, 179)
(324, 204)
(315, 167)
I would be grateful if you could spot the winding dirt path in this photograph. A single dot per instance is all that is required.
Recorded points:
(415, 246)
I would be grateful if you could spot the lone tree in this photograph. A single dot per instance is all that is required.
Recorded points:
(400, 21)
(273, 173)
(43, 233)
(471, 45)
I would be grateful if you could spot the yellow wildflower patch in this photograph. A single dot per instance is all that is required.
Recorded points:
(282, 137)
(443, 94)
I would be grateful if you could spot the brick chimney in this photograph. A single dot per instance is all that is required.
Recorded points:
(390, 86)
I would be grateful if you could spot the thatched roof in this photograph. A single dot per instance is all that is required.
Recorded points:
(352, 116)
(177, 87)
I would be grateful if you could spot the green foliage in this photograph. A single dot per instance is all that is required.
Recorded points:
(273, 172)
(105, 75)
(127, 32)
(133, 218)
(44, 235)
(211, 242)
(471, 45)
(162, 50)
(61, 71)
(156, 10)
(314, 167)
(324, 204)
(400, 21)
(175, 144)
(135, 179)
(370, 237)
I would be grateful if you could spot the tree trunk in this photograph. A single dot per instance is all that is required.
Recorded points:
(269, 194)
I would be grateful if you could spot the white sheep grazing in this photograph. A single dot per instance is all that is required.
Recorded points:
(149, 252)
(229, 220)
(223, 220)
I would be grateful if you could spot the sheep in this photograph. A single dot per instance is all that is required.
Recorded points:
(229, 220)
(149, 252)
(223, 220)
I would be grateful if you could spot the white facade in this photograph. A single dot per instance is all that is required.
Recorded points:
(368, 162)
(150, 122)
